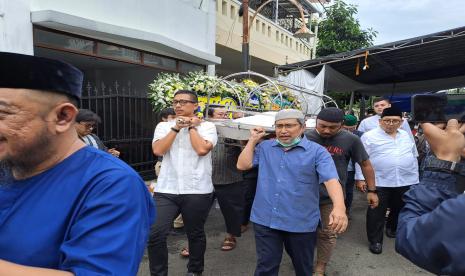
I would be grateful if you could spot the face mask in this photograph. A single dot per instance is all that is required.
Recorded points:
(293, 143)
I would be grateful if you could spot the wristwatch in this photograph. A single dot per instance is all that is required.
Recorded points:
(175, 129)
(434, 164)
(372, 191)
(191, 127)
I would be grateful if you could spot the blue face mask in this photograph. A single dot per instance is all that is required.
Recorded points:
(293, 143)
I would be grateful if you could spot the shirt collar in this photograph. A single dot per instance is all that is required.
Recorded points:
(304, 143)
(380, 130)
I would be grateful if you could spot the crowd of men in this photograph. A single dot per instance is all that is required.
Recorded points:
(70, 206)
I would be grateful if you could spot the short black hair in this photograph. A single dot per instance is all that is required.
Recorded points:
(192, 94)
(86, 115)
(167, 112)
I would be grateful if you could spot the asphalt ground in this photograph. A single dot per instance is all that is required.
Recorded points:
(351, 256)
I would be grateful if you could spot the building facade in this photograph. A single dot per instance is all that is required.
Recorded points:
(271, 32)
(120, 46)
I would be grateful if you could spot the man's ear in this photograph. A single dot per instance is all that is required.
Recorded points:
(65, 115)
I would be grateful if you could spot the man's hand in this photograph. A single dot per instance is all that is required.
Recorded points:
(373, 200)
(338, 220)
(182, 122)
(113, 152)
(361, 185)
(256, 134)
(195, 121)
(447, 144)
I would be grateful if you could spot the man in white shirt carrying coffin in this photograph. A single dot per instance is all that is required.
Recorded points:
(185, 182)
(394, 159)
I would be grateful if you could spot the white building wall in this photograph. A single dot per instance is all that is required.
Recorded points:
(190, 22)
(15, 27)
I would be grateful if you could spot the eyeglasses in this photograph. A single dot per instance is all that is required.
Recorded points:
(391, 122)
(181, 102)
(286, 126)
(88, 126)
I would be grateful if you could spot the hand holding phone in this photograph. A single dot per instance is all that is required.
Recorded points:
(439, 107)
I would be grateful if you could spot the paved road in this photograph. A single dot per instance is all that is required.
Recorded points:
(350, 258)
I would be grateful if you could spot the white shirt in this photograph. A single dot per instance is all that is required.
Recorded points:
(183, 171)
(372, 122)
(393, 159)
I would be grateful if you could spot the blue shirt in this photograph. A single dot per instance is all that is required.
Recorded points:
(287, 194)
(90, 214)
(431, 228)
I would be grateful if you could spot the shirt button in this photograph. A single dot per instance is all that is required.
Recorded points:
(279, 180)
(282, 167)
(276, 194)
(274, 208)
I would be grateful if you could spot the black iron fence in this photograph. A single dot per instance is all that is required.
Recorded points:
(128, 122)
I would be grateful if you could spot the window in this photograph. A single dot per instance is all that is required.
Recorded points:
(186, 67)
(277, 35)
(224, 8)
(263, 28)
(257, 25)
(158, 61)
(269, 31)
(63, 41)
(118, 52)
(232, 12)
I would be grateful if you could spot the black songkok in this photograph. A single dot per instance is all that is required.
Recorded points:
(331, 114)
(391, 111)
(37, 73)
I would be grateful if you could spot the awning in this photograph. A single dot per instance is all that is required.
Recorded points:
(138, 39)
(421, 64)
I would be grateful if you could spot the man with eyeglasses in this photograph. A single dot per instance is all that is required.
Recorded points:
(343, 146)
(393, 155)
(184, 184)
(285, 210)
(379, 104)
(86, 120)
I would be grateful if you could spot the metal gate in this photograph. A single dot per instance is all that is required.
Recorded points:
(128, 122)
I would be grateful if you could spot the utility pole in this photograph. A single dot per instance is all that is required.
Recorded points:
(245, 36)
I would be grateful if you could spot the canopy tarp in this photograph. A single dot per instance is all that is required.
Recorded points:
(421, 64)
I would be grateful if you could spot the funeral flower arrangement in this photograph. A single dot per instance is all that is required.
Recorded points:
(162, 89)
(246, 91)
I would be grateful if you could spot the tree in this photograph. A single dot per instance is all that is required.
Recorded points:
(340, 31)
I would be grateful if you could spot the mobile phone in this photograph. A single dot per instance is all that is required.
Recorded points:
(439, 107)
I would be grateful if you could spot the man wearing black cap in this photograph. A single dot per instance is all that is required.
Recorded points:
(393, 155)
(343, 146)
(65, 208)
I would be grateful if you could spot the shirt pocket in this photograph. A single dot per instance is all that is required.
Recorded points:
(304, 174)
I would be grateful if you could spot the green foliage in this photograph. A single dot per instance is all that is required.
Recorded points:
(340, 31)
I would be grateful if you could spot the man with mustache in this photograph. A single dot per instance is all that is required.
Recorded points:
(285, 211)
(343, 147)
(65, 208)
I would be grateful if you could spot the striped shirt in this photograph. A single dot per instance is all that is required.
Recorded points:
(224, 158)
